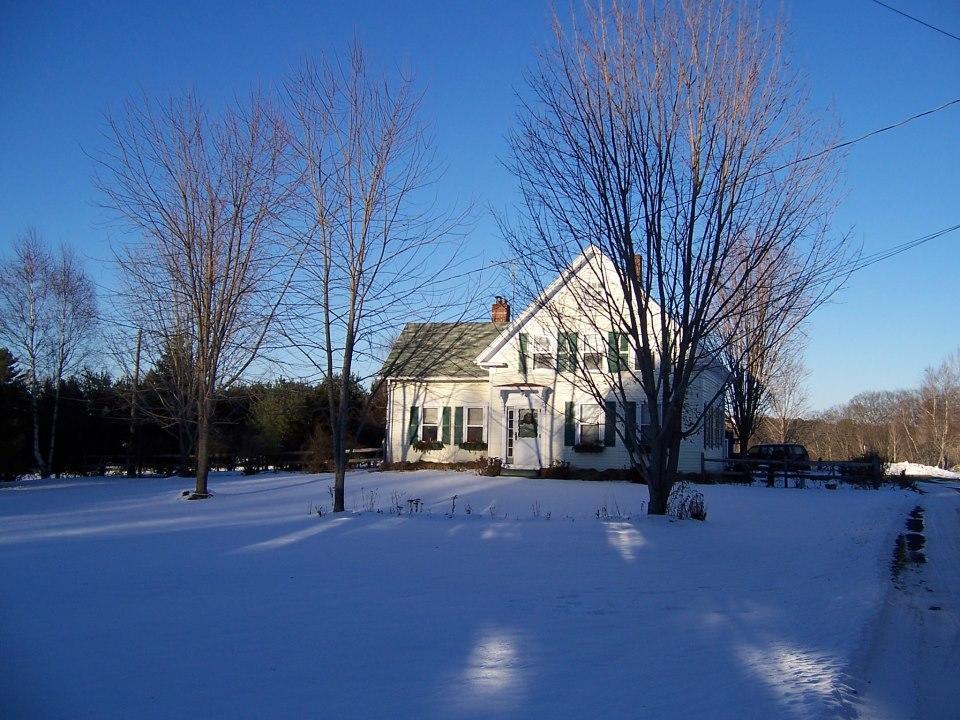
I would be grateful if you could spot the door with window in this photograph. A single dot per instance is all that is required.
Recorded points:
(523, 437)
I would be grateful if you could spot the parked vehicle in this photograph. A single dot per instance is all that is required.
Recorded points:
(792, 452)
(771, 458)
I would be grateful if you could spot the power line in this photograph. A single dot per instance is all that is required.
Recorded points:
(878, 131)
(916, 19)
(890, 252)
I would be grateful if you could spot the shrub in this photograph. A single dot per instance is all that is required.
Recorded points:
(473, 446)
(407, 465)
(425, 445)
(628, 474)
(870, 476)
(588, 448)
(558, 470)
(905, 482)
(686, 503)
(489, 467)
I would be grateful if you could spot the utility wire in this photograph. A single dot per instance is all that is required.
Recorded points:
(854, 141)
(895, 250)
(916, 19)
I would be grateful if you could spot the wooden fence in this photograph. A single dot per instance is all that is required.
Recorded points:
(799, 471)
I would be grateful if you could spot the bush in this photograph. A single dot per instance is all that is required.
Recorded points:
(588, 448)
(627, 474)
(473, 446)
(905, 482)
(425, 445)
(319, 451)
(685, 503)
(407, 465)
(870, 476)
(558, 470)
(489, 467)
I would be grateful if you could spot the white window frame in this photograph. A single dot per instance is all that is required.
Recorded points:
(593, 346)
(543, 355)
(644, 422)
(601, 422)
(424, 424)
(482, 425)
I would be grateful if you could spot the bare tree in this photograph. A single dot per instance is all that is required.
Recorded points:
(24, 310)
(207, 197)
(73, 319)
(939, 411)
(670, 137)
(763, 340)
(787, 394)
(377, 251)
(47, 316)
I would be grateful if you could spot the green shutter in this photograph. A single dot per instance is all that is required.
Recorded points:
(563, 356)
(566, 351)
(445, 426)
(457, 425)
(569, 426)
(613, 351)
(609, 423)
(414, 423)
(523, 353)
(630, 424)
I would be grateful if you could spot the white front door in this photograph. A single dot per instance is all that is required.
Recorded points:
(523, 437)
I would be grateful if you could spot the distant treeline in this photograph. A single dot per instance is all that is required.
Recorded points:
(104, 423)
(918, 424)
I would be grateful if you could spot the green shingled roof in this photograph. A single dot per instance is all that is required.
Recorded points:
(440, 350)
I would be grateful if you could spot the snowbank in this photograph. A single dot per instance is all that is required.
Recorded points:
(921, 470)
(119, 600)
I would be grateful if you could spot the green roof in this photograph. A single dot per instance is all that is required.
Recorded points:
(440, 350)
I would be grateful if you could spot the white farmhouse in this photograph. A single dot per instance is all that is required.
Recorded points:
(515, 389)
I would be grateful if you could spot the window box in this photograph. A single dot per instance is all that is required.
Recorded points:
(477, 446)
(588, 447)
(426, 445)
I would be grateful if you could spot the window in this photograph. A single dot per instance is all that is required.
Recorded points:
(644, 422)
(429, 429)
(592, 353)
(527, 424)
(713, 427)
(542, 353)
(591, 425)
(474, 425)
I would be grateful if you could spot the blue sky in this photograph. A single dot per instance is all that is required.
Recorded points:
(64, 65)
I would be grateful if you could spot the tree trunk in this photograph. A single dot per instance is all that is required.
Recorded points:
(132, 468)
(53, 426)
(659, 480)
(339, 427)
(35, 410)
(203, 447)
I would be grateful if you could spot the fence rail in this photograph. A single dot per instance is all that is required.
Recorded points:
(800, 471)
(170, 463)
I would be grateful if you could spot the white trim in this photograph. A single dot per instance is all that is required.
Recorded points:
(484, 358)
(438, 378)
(424, 423)
(482, 425)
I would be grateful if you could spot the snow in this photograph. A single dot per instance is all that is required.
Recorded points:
(907, 667)
(122, 600)
(910, 468)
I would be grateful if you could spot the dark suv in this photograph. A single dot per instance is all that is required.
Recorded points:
(791, 452)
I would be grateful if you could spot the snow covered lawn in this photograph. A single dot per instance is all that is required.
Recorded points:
(121, 600)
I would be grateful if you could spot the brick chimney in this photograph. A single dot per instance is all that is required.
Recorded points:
(500, 312)
(638, 265)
